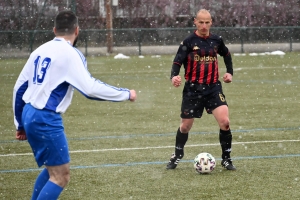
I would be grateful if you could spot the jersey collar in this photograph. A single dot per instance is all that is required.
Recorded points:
(62, 39)
(205, 37)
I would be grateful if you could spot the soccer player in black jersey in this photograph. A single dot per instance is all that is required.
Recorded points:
(202, 88)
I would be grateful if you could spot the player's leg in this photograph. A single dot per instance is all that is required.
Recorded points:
(59, 178)
(28, 117)
(191, 108)
(49, 145)
(57, 164)
(182, 135)
(40, 182)
(180, 141)
(221, 114)
(216, 104)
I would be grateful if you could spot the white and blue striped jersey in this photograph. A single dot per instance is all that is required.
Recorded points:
(50, 75)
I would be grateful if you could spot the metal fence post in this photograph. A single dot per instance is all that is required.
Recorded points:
(140, 41)
(73, 6)
(242, 40)
(291, 39)
(86, 43)
(36, 26)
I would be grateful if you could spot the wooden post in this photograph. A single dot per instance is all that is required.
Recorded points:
(109, 27)
(73, 6)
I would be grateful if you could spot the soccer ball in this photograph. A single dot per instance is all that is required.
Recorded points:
(204, 163)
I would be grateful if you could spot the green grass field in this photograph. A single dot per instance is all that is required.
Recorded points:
(120, 150)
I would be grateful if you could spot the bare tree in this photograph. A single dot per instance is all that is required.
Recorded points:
(23, 14)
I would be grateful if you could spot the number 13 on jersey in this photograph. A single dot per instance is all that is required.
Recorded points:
(40, 69)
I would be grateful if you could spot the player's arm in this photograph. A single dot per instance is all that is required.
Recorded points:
(175, 78)
(227, 78)
(228, 63)
(80, 78)
(19, 89)
(175, 70)
(223, 51)
(178, 60)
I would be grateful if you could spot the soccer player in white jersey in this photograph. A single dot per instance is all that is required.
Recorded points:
(43, 91)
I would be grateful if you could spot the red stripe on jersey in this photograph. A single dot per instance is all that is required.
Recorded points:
(202, 68)
(209, 73)
(209, 70)
(188, 69)
(216, 75)
(195, 65)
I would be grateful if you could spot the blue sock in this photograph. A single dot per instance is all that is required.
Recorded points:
(50, 191)
(40, 182)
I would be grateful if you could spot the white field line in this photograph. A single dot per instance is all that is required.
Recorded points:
(159, 147)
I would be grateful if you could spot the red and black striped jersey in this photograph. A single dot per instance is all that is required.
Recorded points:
(199, 57)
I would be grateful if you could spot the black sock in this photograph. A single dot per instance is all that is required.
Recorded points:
(225, 138)
(181, 139)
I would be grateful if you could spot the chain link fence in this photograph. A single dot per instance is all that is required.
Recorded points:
(17, 43)
(26, 24)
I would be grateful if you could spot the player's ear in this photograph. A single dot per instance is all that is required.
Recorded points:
(54, 30)
(77, 31)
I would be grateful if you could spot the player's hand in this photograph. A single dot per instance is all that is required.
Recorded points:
(176, 81)
(227, 78)
(132, 95)
(21, 135)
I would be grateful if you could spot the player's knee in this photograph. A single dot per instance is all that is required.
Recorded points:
(64, 179)
(224, 124)
(185, 128)
(67, 179)
(61, 178)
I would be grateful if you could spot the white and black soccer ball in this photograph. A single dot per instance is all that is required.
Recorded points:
(204, 163)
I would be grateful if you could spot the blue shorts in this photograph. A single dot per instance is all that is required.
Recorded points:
(45, 133)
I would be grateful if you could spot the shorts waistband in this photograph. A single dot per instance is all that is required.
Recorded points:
(201, 84)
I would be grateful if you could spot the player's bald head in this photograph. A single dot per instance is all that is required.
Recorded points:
(65, 23)
(203, 13)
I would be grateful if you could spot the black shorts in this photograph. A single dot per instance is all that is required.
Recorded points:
(196, 97)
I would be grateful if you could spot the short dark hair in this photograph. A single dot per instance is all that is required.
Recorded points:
(65, 22)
